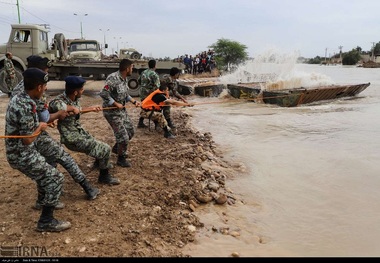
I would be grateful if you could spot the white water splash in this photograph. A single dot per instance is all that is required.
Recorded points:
(277, 71)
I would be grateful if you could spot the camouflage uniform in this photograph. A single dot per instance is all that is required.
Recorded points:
(149, 81)
(22, 119)
(116, 89)
(10, 75)
(173, 91)
(47, 146)
(74, 137)
(42, 109)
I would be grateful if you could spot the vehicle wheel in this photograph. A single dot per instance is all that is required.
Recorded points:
(134, 88)
(3, 85)
(98, 76)
(135, 55)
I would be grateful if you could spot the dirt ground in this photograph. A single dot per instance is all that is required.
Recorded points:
(152, 213)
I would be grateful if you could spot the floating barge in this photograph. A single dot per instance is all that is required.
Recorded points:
(257, 91)
(294, 97)
(205, 87)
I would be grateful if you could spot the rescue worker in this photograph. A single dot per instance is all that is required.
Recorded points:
(52, 150)
(115, 95)
(10, 72)
(149, 81)
(152, 106)
(22, 153)
(170, 80)
(73, 135)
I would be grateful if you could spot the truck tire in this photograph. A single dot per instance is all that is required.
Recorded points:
(60, 41)
(135, 55)
(134, 88)
(3, 85)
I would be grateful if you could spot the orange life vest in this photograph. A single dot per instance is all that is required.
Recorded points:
(149, 104)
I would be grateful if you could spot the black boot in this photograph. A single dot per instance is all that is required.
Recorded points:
(141, 123)
(47, 223)
(123, 162)
(106, 178)
(170, 124)
(168, 134)
(91, 191)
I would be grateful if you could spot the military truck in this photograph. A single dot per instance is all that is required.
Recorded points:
(129, 53)
(28, 39)
(84, 50)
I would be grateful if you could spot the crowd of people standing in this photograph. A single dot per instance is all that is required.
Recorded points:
(200, 63)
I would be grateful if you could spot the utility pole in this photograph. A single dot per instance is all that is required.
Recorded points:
(373, 51)
(325, 55)
(105, 45)
(117, 43)
(340, 54)
(18, 11)
(81, 28)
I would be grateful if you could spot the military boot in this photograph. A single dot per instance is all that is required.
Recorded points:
(47, 223)
(106, 178)
(91, 191)
(168, 134)
(141, 123)
(123, 162)
(170, 124)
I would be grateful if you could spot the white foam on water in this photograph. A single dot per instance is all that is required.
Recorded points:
(277, 70)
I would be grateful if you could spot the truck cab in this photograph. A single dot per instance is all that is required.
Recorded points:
(24, 40)
(84, 50)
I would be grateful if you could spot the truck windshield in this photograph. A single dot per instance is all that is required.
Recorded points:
(83, 47)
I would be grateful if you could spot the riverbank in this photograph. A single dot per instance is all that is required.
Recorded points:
(152, 213)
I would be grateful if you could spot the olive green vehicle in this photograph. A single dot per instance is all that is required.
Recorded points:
(28, 39)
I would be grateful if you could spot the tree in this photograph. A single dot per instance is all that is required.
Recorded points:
(376, 48)
(228, 52)
(316, 60)
(351, 58)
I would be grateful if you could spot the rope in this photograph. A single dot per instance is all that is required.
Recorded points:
(19, 136)
(111, 108)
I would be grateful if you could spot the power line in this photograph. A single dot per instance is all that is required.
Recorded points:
(1, 2)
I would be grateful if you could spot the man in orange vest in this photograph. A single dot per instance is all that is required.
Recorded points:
(153, 105)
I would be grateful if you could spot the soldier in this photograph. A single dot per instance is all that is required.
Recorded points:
(22, 154)
(115, 95)
(10, 72)
(52, 150)
(149, 81)
(170, 80)
(152, 108)
(73, 136)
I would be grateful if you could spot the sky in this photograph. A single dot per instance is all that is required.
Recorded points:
(171, 28)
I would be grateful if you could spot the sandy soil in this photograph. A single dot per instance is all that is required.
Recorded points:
(152, 213)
